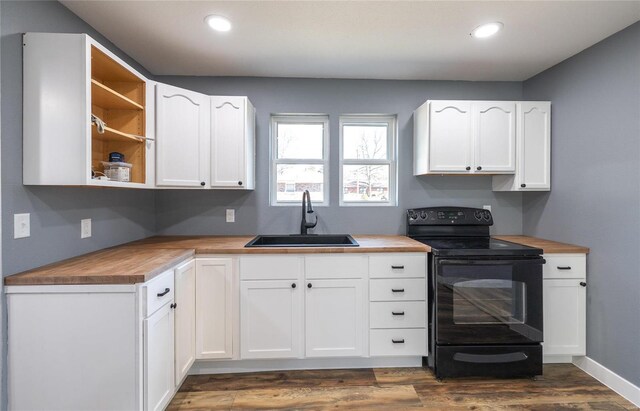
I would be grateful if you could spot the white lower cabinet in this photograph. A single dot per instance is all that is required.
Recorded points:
(185, 319)
(398, 342)
(564, 302)
(334, 318)
(214, 308)
(159, 376)
(271, 319)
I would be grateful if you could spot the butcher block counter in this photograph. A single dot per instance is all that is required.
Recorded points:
(548, 246)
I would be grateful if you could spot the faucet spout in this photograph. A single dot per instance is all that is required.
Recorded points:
(305, 225)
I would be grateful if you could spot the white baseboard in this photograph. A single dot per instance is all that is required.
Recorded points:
(557, 359)
(235, 366)
(609, 378)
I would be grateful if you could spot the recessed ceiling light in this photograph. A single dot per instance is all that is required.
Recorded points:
(218, 23)
(487, 30)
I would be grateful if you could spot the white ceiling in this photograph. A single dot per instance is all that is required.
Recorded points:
(355, 39)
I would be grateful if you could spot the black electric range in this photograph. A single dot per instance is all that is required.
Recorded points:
(485, 296)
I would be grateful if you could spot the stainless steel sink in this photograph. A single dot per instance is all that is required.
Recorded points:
(309, 240)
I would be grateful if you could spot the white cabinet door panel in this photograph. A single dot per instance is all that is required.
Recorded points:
(182, 137)
(495, 136)
(335, 320)
(159, 359)
(564, 305)
(228, 135)
(271, 319)
(214, 308)
(450, 136)
(185, 319)
(535, 142)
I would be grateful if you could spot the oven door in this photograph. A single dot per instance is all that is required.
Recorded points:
(488, 301)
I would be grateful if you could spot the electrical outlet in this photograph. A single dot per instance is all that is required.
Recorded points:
(231, 215)
(85, 228)
(487, 207)
(21, 225)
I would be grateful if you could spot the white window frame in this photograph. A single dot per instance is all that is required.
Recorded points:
(275, 161)
(391, 160)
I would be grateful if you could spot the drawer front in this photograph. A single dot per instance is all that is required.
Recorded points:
(158, 292)
(398, 342)
(398, 265)
(565, 266)
(271, 267)
(400, 314)
(336, 266)
(401, 289)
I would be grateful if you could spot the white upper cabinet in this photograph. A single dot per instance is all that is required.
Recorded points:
(67, 79)
(232, 142)
(182, 128)
(533, 171)
(495, 136)
(450, 137)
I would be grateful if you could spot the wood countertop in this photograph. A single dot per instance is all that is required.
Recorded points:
(116, 265)
(548, 246)
(235, 245)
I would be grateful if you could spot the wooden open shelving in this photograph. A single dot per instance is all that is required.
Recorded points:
(118, 98)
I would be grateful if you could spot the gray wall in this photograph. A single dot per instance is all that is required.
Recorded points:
(196, 212)
(595, 197)
(117, 215)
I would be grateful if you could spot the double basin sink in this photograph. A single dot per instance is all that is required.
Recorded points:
(308, 240)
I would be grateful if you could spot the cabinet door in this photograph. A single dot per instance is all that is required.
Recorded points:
(450, 138)
(271, 319)
(230, 135)
(564, 317)
(214, 308)
(182, 134)
(158, 359)
(534, 119)
(185, 317)
(495, 136)
(334, 320)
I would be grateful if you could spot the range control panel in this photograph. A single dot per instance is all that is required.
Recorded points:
(449, 216)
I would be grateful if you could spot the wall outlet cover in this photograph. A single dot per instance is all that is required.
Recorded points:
(231, 215)
(487, 207)
(85, 228)
(21, 225)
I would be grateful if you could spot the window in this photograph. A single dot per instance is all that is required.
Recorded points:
(299, 158)
(368, 160)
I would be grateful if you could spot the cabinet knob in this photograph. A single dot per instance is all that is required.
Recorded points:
(239, 183)
(582, 283)
(468, 168)
(174, 305)
(293, 285)
(309, 285)
(523, 185)
(202, 183)
(478, 168)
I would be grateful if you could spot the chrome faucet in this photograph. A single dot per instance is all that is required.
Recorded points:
(307, 209)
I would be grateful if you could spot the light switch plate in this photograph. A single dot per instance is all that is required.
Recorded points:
(231, 215)
(85, 228)
(21, 225)
(487, 207)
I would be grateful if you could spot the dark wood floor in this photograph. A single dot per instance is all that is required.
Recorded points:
(562, 387)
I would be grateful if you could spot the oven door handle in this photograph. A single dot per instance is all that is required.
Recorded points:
(536, 261)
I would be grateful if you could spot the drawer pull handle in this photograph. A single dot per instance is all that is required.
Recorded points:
(397, 312)
(397, 267)
(397, 290)
(165, 292)
(174, 305)
(564, 267)
(401, 341)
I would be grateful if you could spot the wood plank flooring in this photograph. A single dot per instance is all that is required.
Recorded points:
(562, 387)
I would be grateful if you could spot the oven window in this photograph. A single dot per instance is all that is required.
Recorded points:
(489, 301)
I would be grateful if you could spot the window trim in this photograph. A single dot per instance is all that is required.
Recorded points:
(295, 118)
(391, 160)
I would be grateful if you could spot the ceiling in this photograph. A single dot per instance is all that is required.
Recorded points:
(355, 39)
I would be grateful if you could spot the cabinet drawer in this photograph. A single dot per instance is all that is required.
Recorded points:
(271, 267)
(398, 342)
(158, 292)
(400, 265)
(399, 314)
(335, 266)
(401, 289)
(565, 266)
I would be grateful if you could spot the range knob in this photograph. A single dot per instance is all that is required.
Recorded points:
(478, 215)
(423, 214)
(487, 215)
(412, 215)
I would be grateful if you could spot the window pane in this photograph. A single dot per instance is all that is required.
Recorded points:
(300, 141)
(366, 183)
(293, 179)
(365, 141)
